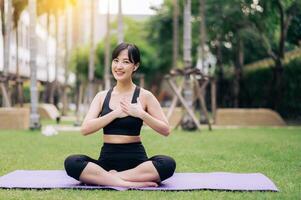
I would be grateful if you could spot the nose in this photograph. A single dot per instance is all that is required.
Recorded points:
(119, 65)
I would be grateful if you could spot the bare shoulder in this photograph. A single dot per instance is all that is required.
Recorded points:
(100, 96)
(146, 94)
(102, 93)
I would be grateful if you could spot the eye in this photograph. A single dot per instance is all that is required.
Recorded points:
(115, 61)
(126, 62)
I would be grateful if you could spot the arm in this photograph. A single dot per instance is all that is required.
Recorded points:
(155, 117)
(92, 122)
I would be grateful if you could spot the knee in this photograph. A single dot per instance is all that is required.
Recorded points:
(165, 166)
(74, 165)
(69, 162)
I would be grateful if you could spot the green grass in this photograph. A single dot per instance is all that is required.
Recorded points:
(53, 122)
(275, 152)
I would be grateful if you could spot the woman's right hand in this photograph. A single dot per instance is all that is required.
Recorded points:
(119, 113)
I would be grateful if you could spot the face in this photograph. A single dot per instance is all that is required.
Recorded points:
(122, 68)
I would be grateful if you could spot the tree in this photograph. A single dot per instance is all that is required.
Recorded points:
(235, 28)
(66, 61)
(92, 54)
(19, 6)
(225, 28)
(6, 32)
(159, 36)
(283, 12)
(34, 116)
(187, 122)
(202, 31)
(45, 8)
(54, 8)
(175, 35)
(79, 63)
(120, 22)
(107, 52)
(2, 16)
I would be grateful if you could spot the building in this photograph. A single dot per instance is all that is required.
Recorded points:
(46, 50)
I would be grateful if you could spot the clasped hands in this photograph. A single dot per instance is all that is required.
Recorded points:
(127, 108)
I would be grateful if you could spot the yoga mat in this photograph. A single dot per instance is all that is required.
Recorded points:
(49, 179)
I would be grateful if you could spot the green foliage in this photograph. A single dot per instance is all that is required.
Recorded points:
(268, 24)
(100, 54)
(291, 106)
(257, 86)
(294, 31)
(225, 22)
(26, 90)
(80, 62)
(160, 34)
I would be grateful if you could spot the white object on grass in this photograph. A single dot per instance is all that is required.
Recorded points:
(49, 131)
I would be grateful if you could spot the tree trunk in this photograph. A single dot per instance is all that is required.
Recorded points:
(175, 49)
(107, 53)
(220, 73)
(7, 33)
(278, 87)
(92, 55)
(34, 116)
(48, 85)
(79, 94)
(187, 34)
(187, 122)
(202, 31)
(120, 23)
(2, 17)
(19, 82)
(54, 94)
(238, 70)
(66, 72)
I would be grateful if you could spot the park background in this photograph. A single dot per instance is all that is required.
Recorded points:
(55, 56)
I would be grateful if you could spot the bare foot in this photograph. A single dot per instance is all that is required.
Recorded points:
(113, 171)
(140, 184)
(125, 183)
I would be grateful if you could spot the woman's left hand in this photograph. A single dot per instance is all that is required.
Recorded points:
(133, 109)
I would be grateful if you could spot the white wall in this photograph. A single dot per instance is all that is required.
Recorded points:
(45, 50)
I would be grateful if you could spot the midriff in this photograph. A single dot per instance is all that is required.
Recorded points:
(120, 139)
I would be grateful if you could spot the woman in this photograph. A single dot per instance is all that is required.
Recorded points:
(121, 112)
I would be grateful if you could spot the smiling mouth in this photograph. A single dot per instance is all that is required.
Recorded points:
(119, 73)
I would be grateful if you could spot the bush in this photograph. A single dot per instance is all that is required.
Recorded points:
(256, 89)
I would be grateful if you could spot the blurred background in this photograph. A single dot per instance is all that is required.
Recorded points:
(56, 55)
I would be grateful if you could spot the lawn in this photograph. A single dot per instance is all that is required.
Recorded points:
(275, 152)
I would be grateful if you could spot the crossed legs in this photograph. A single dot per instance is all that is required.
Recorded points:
(146, 174)
(146, 171)
(94, 174)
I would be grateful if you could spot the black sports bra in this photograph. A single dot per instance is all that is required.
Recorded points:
(121, 126)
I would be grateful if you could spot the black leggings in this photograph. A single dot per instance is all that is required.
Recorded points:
(120, 157)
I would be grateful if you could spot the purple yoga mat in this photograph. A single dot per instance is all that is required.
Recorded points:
(49, 179)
